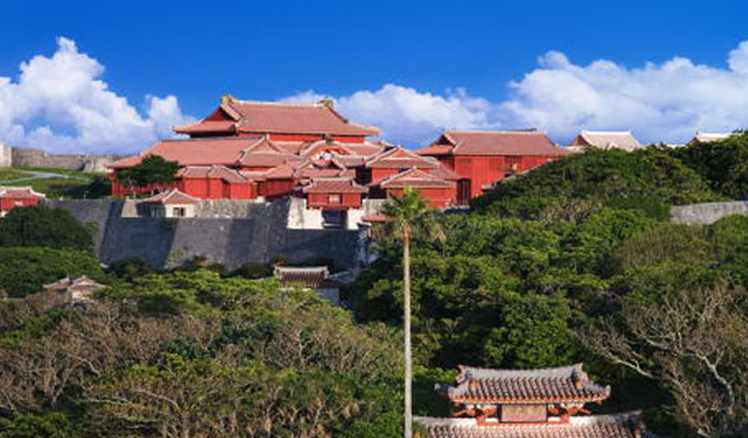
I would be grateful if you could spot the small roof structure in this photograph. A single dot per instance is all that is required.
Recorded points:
(626, 425)
(415, 178)
(26, 192)
(333, 185)
(312, 277)
(606, 140)
(211, 172)
(80, 285)
(400, 158)
(194, 151)
(546, 385)
(237, 116)
(708, 137)
(173, 197)
(493, 143)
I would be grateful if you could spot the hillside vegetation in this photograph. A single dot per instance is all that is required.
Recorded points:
(575, 261)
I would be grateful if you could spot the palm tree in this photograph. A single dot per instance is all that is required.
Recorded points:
(409, 215)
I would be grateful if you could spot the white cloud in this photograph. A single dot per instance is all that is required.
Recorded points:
(59, 103)
(659, 102)
(409, 117)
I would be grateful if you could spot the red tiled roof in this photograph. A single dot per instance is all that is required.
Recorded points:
(366, 149)
(253, 175)
(400, 158)
(173, 196)
(262, 159)
(627, 425)
(416, 178)
(206, 127)
(194, 151)
(280, 117)
(311, 277)
(334, 185)
(130, 161)
(528, 143)
(375, 218)
(222, 172)
(10, 192)
(436, 149)
(350, 160)
(284, 171)
(549, 385)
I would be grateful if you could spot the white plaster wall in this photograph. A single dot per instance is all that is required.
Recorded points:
(302, 218)
(354, 218)
(6, 155)
(189, 210)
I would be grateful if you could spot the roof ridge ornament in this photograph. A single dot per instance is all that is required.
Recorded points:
(326, 102)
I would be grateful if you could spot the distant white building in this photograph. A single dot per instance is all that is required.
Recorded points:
(172, 204)
(604, 140)
(707, 137)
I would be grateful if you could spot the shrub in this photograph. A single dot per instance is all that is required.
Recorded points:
(41, 226)
(26, 270)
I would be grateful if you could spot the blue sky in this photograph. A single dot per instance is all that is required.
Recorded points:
(455, 59)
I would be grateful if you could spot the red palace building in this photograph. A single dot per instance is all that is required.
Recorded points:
(481, 158)
(11, 197)
(540, 403)
(270, 150)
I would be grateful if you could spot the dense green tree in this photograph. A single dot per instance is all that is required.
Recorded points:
(570, 186)
(152, 170)
(26, 270)
(42, 226)
(51, 425)
(724, 164)
(227, 357)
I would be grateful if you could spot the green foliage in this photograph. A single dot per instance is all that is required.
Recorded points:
(9, 174)
(154, 169)
(253, 271)
(724, 164)
(210, 357)
(41, 226)
(602, 177)
(534, 331)
(500, 292)
(130, 269)
(26, 270)
(48, 425)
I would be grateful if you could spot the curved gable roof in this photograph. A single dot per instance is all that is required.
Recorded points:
(526, 143)
(277, 117)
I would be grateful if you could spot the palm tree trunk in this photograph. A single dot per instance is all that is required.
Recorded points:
(408, 354)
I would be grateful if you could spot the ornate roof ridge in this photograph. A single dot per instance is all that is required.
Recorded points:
(499, 131)
(585, 131)
(564, 371)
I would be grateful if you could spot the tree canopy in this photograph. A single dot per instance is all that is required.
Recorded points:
(153, 169)
(44, 227)
(25, 270)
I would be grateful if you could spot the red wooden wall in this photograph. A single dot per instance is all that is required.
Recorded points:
(7, 204)
(483, 170)
(437, 198)
(322, 200)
